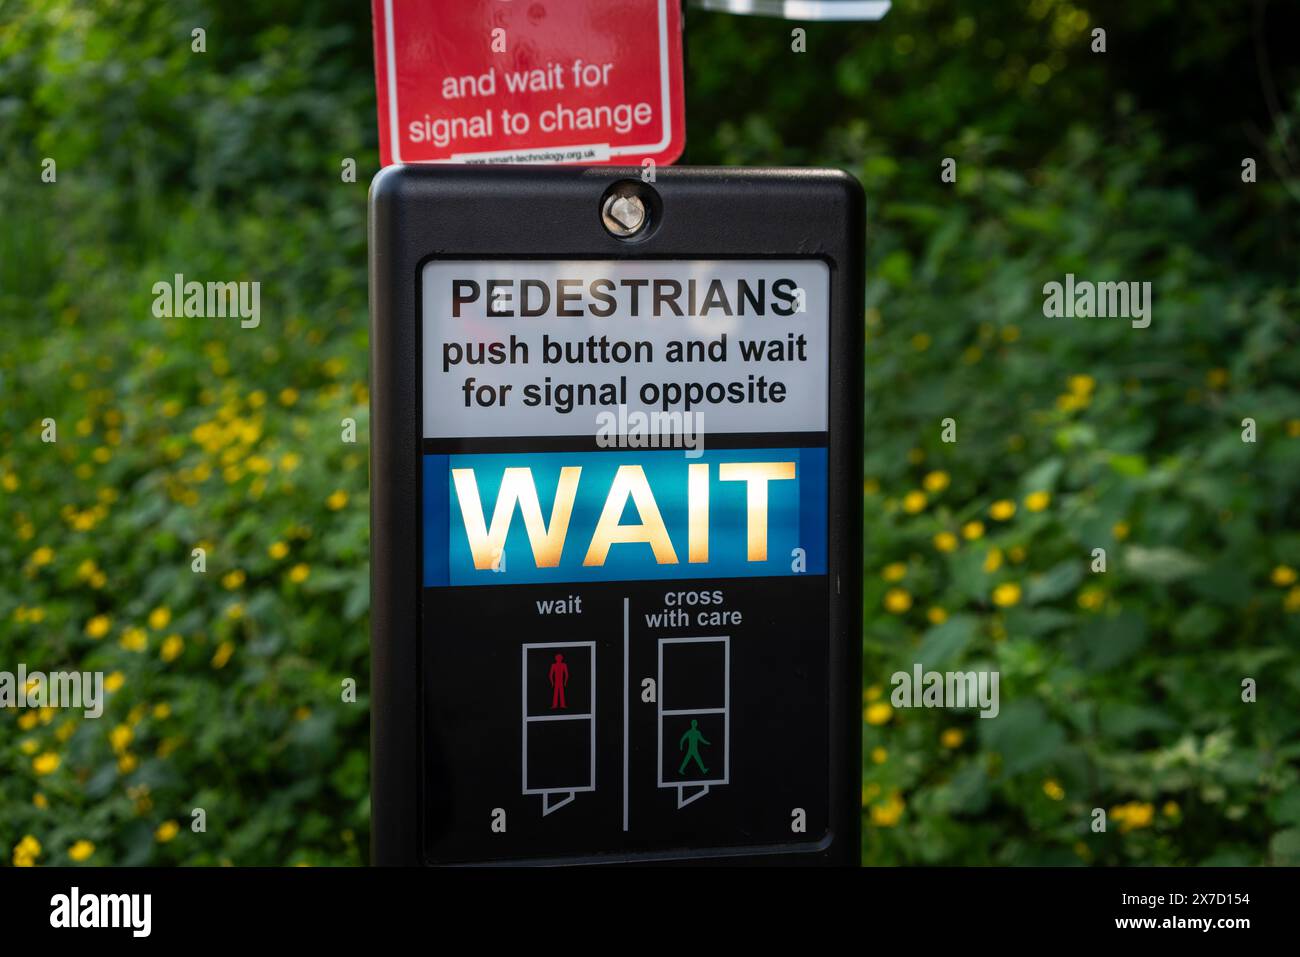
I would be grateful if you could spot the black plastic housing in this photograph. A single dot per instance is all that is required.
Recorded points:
(418, 213)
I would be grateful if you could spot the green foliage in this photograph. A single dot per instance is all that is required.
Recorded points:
(1119, 690)
(181, 433)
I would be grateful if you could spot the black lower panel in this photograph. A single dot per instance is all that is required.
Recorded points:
(719, 689)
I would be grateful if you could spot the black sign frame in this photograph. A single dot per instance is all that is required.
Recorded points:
(419, 213)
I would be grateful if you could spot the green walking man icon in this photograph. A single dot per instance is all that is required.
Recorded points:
(691, 741)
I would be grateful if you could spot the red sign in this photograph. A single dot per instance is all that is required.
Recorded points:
(529, 81)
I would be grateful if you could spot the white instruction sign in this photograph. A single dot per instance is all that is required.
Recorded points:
(542, 348)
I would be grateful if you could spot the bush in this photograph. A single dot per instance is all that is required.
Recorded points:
(1119, 691)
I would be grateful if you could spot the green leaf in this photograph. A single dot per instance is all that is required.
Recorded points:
(947, 641)
(1043, 476)
(1024, 735)
(1133, 466)
(1285, 808)
(1059, 580)
(1033, 622)
(1285, 847)
(1120, 720)
(1162, 564)
(1104, 642)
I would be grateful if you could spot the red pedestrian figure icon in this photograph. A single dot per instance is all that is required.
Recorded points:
(559, 677)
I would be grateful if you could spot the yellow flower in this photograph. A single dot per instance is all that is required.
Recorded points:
(1170, 809)
(337, 500)
(1292, 601)
(278, 550)
(1092, 598)
(166, 831)
(172, 647)
(120, 737)
(301, 713)
(235, 612)
(42, 556)
(879, 755)
(1006, 595)
(936, 615)
(952, 738)
(127, 763)
(872, 692)
(878, 713)
(914, 501)
(28, 720)
(993, 560)
(98, 626)
(1216, 378)
(1135, 814)
(159, 618)
(26, 851)
(40, 800)
(1037, 501)
(1052, 788)
(10, 482)
(1283, 575)
(223, 653)
(29, 746)
(298, 574)
(1293, 428)
(134, 639)
(1081, 385)
(290, 461)
(162, 711)
(897, 601)
(1069, 402)
(233, 579)
(46, 763)
(921, 341)
(1016, 553)
(935, 482)
(915, 456)
(972, 531)
(869, 792)
(894, 572)
(288, 396)
(114, 681)
(1002, 509)
(870, 486)
(945, 541)
(888, 812)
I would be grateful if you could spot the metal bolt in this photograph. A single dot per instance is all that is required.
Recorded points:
(623, 215)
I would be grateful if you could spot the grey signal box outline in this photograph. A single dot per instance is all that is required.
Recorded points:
(590, 717)
(725, 711)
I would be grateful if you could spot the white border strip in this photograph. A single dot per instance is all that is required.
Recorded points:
(801, 9)
(391, 54)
